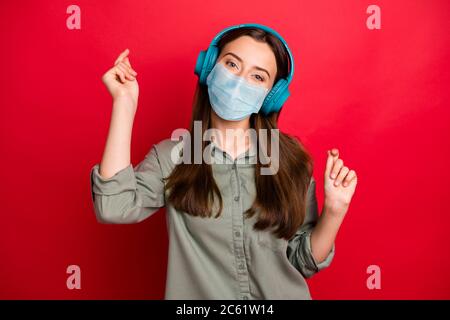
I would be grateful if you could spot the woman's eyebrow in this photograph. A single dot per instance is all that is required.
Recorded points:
(240, 60)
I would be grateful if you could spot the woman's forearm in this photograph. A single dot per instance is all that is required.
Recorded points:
(116, 154)
(339, 186)
(324, 233)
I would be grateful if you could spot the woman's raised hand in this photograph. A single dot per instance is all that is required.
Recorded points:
(121, 81)
(340, 183)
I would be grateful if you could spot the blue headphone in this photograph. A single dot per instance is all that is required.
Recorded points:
(279, 92)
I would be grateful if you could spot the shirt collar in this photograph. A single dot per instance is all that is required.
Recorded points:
(220, 154)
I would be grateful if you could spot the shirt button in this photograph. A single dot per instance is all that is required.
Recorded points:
(237, 233)
(245, 297)
(236, 198)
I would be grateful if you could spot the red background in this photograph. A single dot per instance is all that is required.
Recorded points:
(379, 96)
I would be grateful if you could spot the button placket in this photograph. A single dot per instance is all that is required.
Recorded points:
(238, 238)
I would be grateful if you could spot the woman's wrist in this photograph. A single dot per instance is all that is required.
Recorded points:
(335, 210)
(125, 103)
(333, 216)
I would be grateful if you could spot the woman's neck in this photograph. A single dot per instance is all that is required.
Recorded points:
(232, 138)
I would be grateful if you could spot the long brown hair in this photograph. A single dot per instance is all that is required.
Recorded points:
(280, 199)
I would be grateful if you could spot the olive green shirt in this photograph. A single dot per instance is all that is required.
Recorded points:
(213, 258)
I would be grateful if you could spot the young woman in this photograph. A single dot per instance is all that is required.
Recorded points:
(234, 233)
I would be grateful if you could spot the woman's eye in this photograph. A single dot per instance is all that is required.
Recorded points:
(231, 64)
(259, 78)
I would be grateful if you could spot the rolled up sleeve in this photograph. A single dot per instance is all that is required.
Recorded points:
(299, 247)
(132, 194)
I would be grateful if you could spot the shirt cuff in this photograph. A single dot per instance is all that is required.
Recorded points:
(311, 262)
(123, 180)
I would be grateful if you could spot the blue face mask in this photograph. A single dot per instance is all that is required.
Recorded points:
(232, 97)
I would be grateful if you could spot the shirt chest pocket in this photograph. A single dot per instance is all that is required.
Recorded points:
(268, 240)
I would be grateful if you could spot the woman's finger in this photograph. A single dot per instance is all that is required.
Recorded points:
(127, 62)
(338, 164)
(128, 75)
(122, 56)
(350, 175)
(127, 68)
(342, 173)
(335, 153)
(120, 74)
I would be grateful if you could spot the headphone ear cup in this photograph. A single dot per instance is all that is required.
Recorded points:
(200, 62)
(208, 63)
(272, 102)
(284, 94)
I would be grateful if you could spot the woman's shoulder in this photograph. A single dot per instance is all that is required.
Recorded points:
(168, 152)
(166, 146)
